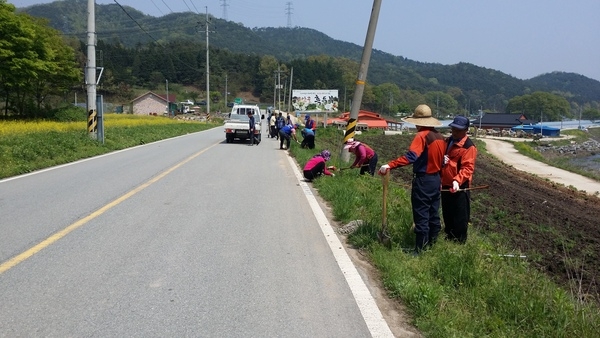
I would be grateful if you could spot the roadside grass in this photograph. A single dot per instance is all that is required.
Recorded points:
(34, 145)
(470, 290)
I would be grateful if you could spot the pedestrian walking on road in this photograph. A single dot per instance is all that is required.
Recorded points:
(457, 174)
(426, 154)
(279, 123)
(252, 128)
(316, 167)
(365, 157)
(272, 125)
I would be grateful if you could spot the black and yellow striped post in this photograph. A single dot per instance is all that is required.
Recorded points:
(92, 124)
(350, 129)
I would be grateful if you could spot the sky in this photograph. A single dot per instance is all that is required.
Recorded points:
(522, 38)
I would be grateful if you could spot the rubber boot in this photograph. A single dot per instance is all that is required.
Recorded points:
(420, 243)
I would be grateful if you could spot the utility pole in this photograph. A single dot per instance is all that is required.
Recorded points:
(290, 95)
(362, 76)
(226, 92)
(275, 93)
(541, 124)
(207, 68)
(90, 78)
(284, 87)
(168, 110)
(480, 118)
(207, 23)
(278, 87)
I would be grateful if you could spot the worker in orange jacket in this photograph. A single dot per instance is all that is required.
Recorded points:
(457, 174)
(426, 154)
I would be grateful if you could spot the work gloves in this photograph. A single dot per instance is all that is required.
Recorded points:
(331, 167)
(384, 169)
(455, 187)
(446, 159)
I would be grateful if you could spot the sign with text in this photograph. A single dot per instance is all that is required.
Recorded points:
(318, 100)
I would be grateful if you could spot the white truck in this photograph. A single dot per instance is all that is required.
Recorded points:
(237, 125)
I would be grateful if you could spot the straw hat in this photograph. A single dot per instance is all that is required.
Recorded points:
(422, 117)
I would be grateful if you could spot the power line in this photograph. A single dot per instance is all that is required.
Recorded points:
(156, 41)
(163, 1)
(137, 23)
(161, 12)
(186, 5)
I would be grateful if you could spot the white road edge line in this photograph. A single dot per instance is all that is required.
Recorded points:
(365, 301)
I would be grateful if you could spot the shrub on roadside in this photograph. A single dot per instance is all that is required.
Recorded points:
(68, 114)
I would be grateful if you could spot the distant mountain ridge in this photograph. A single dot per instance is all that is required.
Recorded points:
(114, 25)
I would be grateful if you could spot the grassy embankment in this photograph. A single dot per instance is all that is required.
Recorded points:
(453, 290)
(29, 146)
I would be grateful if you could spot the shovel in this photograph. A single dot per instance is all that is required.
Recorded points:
(383, 236)
(469, 189)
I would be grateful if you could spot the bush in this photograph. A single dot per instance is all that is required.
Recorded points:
(68, 114)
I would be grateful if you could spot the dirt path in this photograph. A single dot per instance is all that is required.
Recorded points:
(509, 155)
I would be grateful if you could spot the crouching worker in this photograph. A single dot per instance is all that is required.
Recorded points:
(365, 157)
(315, 167)
(308, 140)
(287, 133)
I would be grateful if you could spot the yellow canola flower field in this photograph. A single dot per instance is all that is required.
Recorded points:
(31, 127)
(110, 120)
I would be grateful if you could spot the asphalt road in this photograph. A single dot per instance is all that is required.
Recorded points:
(187, 237)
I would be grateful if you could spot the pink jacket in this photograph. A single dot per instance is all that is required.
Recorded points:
(313, 163)
(363, 154)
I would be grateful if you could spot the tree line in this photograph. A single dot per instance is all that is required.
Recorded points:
(36, 64)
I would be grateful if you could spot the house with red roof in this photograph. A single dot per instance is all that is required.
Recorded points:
(366, 120)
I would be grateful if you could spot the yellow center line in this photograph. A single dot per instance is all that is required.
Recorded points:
(62, 233)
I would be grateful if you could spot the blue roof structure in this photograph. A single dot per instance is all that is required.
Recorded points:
(536, 129)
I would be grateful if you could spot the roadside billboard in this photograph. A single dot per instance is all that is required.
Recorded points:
(315, 100)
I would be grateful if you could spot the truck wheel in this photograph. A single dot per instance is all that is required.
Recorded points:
(228, 139)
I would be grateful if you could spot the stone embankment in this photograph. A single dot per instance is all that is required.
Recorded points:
(588, 147)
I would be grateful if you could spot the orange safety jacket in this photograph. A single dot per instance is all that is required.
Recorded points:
(425, 153)
(461, 164)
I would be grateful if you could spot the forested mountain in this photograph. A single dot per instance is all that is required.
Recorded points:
(472, 87)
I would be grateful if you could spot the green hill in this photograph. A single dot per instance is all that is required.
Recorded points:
(133, 28)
